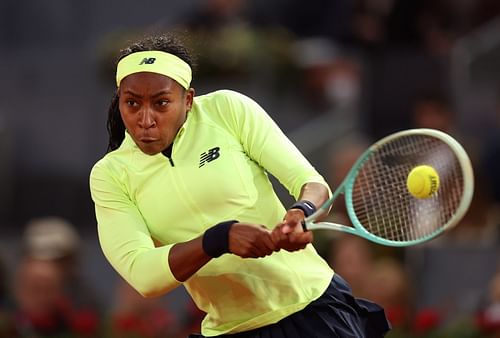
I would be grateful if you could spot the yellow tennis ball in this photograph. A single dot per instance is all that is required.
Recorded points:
(422, 181)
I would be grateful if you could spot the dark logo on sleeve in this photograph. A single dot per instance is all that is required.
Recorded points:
(209, 156)
(147, 61)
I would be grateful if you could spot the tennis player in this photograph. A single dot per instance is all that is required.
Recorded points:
(183, 197)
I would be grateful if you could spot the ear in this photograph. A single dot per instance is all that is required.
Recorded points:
(189, 98)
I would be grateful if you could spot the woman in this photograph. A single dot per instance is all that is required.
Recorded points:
(183, 196)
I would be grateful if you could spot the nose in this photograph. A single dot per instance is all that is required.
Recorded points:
(146, 119)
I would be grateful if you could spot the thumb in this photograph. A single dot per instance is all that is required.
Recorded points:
(286, 228)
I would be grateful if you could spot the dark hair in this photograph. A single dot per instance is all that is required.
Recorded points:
(166, 43)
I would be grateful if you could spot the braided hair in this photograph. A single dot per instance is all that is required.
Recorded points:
(165, 43)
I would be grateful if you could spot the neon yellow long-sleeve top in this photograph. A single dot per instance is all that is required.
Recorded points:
(217, 171)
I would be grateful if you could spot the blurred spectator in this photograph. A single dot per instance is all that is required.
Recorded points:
(369, 23)
(488, 318)
(194, 317)
(429, 25)
(330, 77)
(427, 322)
(480, 226)
(52, 238)
(352, 257)
(331, 19)
(41, 308)
(135, 316)
(490, 159)
(324, 105)
(431, 109)
(215, 14)
(341, 157)
(229, 45)
(55, 241)
(388, 283)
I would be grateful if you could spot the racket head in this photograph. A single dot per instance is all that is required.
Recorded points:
(377, 200)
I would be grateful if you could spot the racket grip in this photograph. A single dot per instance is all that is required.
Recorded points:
(304, 226)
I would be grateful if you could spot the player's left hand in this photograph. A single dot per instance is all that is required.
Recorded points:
(289, 234)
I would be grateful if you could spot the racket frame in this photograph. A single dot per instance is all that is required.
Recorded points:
(346, 188)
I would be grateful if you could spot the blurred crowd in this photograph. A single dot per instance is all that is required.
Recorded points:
(346, 72)
(47, 295)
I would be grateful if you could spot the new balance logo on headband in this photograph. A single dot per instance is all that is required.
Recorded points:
(209, 156)
(147, 61)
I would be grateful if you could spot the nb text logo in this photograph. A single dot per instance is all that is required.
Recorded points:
(147, 61)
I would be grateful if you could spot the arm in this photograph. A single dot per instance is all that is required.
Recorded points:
(244, 240)
(185, 259)
(266, 144)
(124, 237)
(316, 193)
(128, 246)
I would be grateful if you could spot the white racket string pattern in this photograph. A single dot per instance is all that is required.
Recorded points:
(378, 202)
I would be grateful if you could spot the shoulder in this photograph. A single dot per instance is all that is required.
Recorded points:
(101, 168)
(229, 110)
(223, 97)
(110, 164)
(225, 104)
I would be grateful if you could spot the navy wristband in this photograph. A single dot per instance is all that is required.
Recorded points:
(307, 207)
(216, 239)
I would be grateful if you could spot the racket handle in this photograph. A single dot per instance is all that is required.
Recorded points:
(304, 227)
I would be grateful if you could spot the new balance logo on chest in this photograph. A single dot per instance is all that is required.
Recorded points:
(209, 156)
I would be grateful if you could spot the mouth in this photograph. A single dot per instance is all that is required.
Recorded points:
(147, 139)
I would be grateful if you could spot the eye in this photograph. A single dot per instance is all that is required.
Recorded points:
(163, 102)
(131, 103)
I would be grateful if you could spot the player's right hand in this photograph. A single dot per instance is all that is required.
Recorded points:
(291, 238)
(250, 240)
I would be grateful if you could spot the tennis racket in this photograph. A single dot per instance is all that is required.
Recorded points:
(379, 205)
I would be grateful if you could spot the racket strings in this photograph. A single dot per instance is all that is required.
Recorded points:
(380, 197)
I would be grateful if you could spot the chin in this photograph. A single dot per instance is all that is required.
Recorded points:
(150, 150)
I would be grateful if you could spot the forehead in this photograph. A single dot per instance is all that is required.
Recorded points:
(148, 82)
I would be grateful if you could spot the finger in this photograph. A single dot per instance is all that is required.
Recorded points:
(265, 244)
(293, 226)
(279, 225)
(251, 252)
(269, 244)
(283, 240)
(301, 237)
(261, 244)
(286, 228)
(294, 216)
(278, 232)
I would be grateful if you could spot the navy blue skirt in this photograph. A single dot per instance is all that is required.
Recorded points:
(335, 314)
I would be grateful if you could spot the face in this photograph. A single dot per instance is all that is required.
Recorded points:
(153, 107)
(432, 115)
(38, 286)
